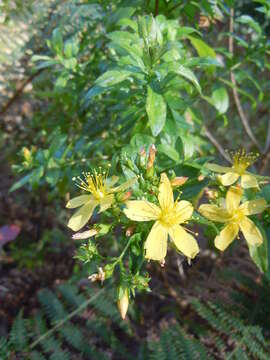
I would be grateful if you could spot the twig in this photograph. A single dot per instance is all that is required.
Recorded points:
(236, 97)
(156, 8)
(267, 142)
(217, 145)
(18, 93)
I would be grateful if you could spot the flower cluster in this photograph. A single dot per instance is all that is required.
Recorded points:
(233, 214)
(154, 202)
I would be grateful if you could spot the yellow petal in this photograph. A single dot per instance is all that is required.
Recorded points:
(81, 216)
(156, 243)
(124, 186)
(226, 236)
(250, 231)
(165, 196)
(254, 206)
(140, 210)
(249, 181)
(228, 178)
(214, 213)
(184, 241)
(233, 198)
(78, 201)
(218, 168)
(184, 210)
(106, 202)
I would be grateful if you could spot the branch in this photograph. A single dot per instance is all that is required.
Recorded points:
(19, 92)
(156, 8)
(237, 101)
(217, 145)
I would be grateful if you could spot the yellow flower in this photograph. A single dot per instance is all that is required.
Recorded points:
(101, 194)
(235, 217)
(167, 218)
(241, 161)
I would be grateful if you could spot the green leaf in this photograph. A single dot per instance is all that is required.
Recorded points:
(246, 19)
(259, 254)
(169, 151)
(112, 77)
(57, 41)
(21, 182)
(156, 109)
(188, 74)
(202, 48)
(220, 100)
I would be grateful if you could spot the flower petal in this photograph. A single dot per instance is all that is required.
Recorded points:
(141, 210)
(226, 236)
(106, 202)
(165, 196)
(184, 241)
(78, 201)
(228, 178)
(124, 186)
(218, 168)
(249, 181)
(156, 243)
(233, 198)
(81, 216)
(184, 210)
(250, 231)
(214, 213)
(254, 206)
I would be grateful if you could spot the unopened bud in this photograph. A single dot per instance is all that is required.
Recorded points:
(142, 157)
(27, 154)
(123, 304)
(162, 263)
(127, 195)
(211, 194)
(179, 180)
(200, 178)
(130, 231)
(151, 157)
(85, 234)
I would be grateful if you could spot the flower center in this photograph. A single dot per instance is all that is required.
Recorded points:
(237, 216)
(168, 217)
(242, 160)
(93, 183)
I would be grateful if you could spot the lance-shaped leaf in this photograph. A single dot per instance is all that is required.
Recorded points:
(156, 109)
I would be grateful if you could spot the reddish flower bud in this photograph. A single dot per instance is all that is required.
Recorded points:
(179, 180)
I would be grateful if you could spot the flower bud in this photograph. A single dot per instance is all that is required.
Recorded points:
(85, 234)
(130, 231)
(123, 304)
(27, 154)
(151, 157)
(126, 196)
(142, 157)
(178, 181)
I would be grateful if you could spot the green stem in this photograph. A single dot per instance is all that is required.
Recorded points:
(124, 251)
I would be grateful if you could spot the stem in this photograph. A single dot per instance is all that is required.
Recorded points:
(124, 251)
(63, 321)
(236, 97)
(217, 145)
(156, 8)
